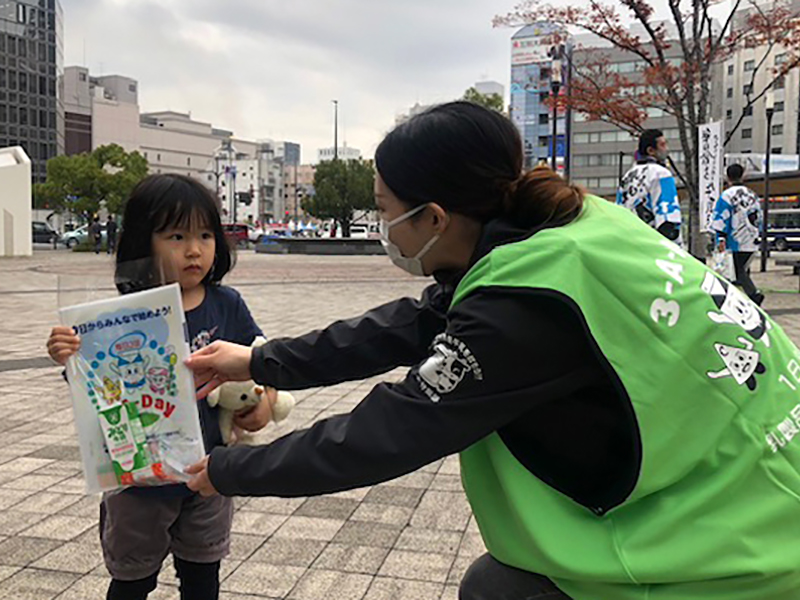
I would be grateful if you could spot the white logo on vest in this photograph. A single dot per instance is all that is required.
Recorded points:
(735, 308)
(741, 364)
(449, 363)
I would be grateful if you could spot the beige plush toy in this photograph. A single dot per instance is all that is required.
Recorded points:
(237, 395)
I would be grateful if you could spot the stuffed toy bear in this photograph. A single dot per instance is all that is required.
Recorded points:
(234, 396)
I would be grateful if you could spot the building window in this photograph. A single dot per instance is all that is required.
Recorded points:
(82, 76)
(729, 93)
(21, 13)
(777, 150)
(730, 69)
(544, 119)
(780, 83)
(747, 134)
(158, 158)
(747, 89)
(189, 161)
(132, 88)
(777, 130)
(780, 58)
(749, 65)
(748, 111)
(779, 106)
(729, 114)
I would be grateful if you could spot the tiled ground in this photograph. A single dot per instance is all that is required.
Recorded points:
(411, 538)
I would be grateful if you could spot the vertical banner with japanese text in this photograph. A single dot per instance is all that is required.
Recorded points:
(709, 158)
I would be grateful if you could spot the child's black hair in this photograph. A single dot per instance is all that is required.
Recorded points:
(157, 203)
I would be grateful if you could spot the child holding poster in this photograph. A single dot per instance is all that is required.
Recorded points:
(171, 233)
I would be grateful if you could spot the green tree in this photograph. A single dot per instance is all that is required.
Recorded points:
(81, 183)
(341, 188)
(491, 101)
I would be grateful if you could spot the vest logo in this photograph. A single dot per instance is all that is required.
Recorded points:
(735, 308)
(450, 362)
(740, 363)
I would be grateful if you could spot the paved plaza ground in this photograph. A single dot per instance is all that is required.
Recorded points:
(411, 538)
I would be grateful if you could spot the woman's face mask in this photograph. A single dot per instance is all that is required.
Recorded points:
(413, 264)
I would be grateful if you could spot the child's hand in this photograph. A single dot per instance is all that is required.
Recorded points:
(200, 481)
(63, 343)
(256, 418)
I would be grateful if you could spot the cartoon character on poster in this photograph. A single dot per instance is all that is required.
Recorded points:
(136, 367)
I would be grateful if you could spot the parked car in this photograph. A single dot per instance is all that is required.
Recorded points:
(237, 233)
(80, 235)
(361, 231)
(43, 233)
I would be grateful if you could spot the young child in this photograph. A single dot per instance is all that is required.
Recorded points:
(171, 232)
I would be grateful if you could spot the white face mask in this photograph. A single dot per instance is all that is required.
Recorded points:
(413, 264)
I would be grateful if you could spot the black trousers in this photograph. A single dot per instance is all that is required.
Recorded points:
(488, 579)
(198, 581)
(743, 279)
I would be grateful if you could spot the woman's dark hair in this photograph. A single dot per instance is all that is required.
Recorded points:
(649, 139)
(735, 172)
(158, 203)
(468, 160)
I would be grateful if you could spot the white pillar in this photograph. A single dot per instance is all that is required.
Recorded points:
(15, 203)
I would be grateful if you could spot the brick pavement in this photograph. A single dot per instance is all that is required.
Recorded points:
(411, 538)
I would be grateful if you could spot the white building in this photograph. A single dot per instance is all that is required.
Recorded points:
(487, 88)
(256, 179)
(412, 112)
(105, 110)
(345, 153)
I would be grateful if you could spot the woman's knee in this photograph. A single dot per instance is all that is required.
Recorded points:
(477, 581)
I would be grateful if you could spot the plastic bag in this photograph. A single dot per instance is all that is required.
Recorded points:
(722, 263)
(133, 398)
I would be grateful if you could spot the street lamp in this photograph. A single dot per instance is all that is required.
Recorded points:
(770, 107)
(335, 129)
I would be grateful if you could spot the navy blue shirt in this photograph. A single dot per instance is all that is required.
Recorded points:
(222, 315)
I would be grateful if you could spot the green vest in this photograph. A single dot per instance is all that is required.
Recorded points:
(714, 386)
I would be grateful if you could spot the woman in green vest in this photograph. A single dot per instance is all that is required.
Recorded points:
(625, 418)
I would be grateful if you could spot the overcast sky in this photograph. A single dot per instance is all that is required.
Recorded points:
(269, 69)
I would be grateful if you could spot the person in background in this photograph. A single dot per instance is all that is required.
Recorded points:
(648, 188)
(111, 235)
(737, 224)
(96, 235)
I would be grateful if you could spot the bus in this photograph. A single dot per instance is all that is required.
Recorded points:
(784, 228)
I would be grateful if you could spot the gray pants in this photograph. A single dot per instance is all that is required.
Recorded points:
(138, 532)
(489, 579)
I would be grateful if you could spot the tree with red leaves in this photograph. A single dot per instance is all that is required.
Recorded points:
(679, 56)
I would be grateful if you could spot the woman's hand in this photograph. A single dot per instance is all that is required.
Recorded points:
(217, 363)
(200, 482)
(62, 344)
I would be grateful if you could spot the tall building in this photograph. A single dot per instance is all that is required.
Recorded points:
(298, 183)
(601, 152)
(105, 110)
(31, 65)
(531, 86)
(345, 153)
(742, 70)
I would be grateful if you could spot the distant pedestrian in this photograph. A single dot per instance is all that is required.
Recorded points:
(648, 188)
(111, 235)
(737, 223)
(96, 235)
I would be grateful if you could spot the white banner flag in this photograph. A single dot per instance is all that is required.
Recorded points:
(710, 170)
